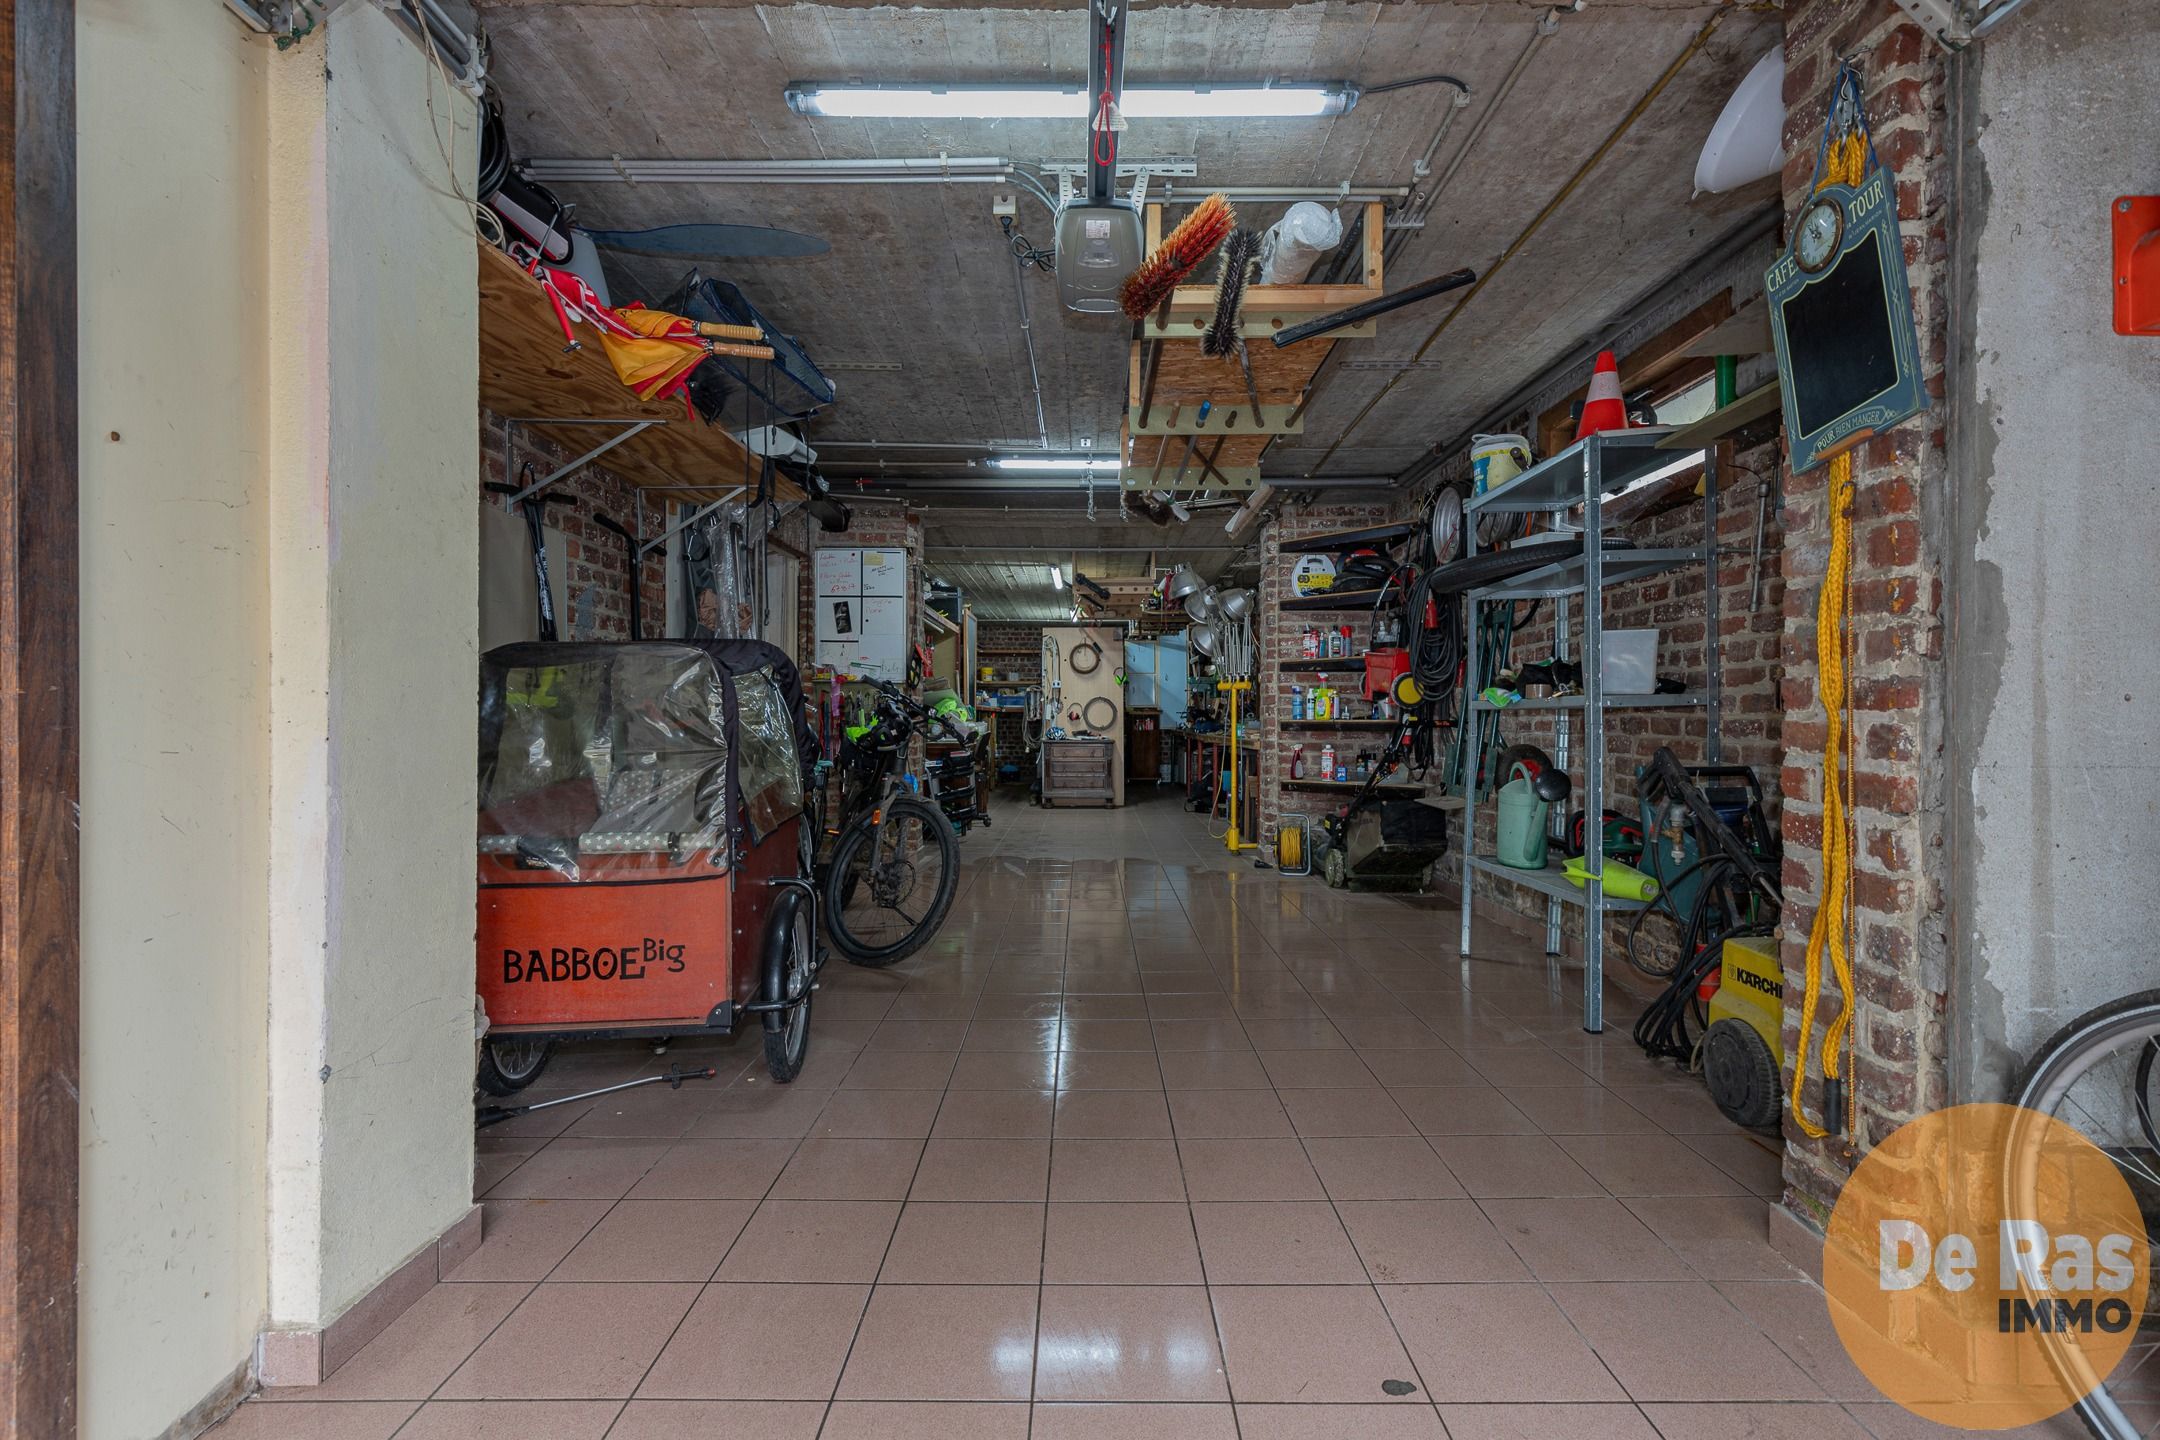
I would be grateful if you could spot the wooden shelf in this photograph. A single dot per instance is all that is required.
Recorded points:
(527, 376)
(1389, 787)
(1338, 724)
(1349, 663)
(1348, 539)
(936, 623)
(1335, 600)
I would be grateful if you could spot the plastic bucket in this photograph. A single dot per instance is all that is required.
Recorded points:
(1521, 840)
(1497, 459)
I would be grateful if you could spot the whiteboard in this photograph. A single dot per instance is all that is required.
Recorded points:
(839, 572)
(884, 572)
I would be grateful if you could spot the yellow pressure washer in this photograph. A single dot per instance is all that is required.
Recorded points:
(1743, 1051)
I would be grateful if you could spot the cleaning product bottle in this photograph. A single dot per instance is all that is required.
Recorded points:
(1327, 761)
(1297, 762)
(1297, 702)
(1346, 647)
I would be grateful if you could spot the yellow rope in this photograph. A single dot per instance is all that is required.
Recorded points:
(1846, 164)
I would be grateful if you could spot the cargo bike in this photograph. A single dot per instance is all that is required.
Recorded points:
(645, 860)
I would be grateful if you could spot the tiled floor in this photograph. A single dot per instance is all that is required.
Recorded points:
(1150, 1145)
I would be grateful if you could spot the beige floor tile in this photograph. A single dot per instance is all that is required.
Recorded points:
(1213, 1070)
(759, 1342)
(1228, 1115)
(715, 1170)
(1112, 1115)
(966, 1243)
(1647, 1165)
(946, 1034)
(1680, 1108)
(1496, 1344)
(1461, 1110)
(1277, 1035)
(812, 1242)
(1584, 1238)
(1091, 1008)
(1551, 1422)
(657, 1240)
(1127, 1343)
(1757, 1162)
(832, 1168)
(305, 1420)
(719, 1420)
(573, 1342)
(924, 1420)
(1335, 1114)
(1415, 1242)
(879, 1114)
(1006, 1070)
(1516, 1067)
(995, 1115)
(1793, 1315)
(525, 1239)
(1664, 1361)
(419, 1349)
(1093, 1034)
(1109, 1070)
(760, 1112)
(1387, 1167)
(943, 1342)
(1721, 1237)
(983, 1170)
(899, 1070)
(1024, 1036)
(1317, 1070)
(1248, 1170)
(1115, 1170)
(1755, 1422)
(571, 1169)
(1119, 1243)
(1339, 1422)
(1506, 1166)
(1134, 1422)
(1420, 1068)
(512, 1420)
(1581, 1110)
(1311, 1344)
(1275, 1243)
(1221, 1033)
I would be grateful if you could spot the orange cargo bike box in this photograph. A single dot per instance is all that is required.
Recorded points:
(644, 858)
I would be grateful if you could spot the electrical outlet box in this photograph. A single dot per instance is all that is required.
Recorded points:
(1005, 205)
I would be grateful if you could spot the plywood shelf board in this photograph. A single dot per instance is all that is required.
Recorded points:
(526, 375)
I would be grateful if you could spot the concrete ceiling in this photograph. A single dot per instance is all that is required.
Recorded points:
(919, 275)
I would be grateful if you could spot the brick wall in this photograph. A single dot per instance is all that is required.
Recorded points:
(1900, 479)
(594, 564)
(1749, 643)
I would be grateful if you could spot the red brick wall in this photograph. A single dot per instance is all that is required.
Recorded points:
(595, 565)
(1899, 1069)
(1749, 658)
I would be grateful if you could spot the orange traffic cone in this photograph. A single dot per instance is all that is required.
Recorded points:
(1603, 409)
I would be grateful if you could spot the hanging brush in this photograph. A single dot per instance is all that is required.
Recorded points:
(1181, 253)
(1239, 253)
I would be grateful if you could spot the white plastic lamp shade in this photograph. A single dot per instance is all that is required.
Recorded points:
(1747, 143)
(1067, 102)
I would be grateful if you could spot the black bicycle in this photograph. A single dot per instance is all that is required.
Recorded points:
(895, 863)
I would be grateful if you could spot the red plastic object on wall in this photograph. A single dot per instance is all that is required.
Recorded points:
(1381, 668)
(2136, 224)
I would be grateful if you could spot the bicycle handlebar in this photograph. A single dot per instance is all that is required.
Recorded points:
(915, 707)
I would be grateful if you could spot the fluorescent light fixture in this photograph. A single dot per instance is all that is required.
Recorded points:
(1068, 102)
(1057, 578)
(1054, 464)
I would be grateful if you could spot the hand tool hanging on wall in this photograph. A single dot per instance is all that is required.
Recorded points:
(533, 509)
(637, 599)
(1425, 290)
(1192, 443)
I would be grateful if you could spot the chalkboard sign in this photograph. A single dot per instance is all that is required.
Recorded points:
(1841, 318)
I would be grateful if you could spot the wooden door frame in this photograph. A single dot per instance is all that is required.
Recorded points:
(40, 890)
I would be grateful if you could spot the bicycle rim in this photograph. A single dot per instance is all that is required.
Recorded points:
(2089, 1079)
(895, 885)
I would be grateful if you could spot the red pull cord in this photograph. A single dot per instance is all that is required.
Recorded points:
(1105, 139)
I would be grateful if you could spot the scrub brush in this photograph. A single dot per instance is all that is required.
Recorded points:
(1180, 253)
(1238, 254)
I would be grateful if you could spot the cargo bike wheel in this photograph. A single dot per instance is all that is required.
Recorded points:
(790, 967)
(510, 1063)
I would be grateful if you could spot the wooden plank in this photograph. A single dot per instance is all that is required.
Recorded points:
(1375, 238)
(1661, 357)
(525, 374)
(40, 884)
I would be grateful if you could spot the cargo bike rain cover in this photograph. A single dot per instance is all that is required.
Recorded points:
(620, 787)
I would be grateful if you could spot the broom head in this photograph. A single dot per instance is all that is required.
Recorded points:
(1180, 253)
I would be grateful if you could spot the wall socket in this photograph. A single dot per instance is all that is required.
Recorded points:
(1005, 203)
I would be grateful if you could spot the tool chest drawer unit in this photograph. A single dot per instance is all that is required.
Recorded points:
(1078, 772)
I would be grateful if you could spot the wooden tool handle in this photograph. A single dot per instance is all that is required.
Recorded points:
(714, 330)
(741, 352)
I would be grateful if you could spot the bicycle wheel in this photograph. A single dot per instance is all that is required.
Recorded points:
(891, 883)
(2095, 1074)
(791, 971)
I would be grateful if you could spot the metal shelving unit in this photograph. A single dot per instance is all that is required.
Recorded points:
(1587, 474)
